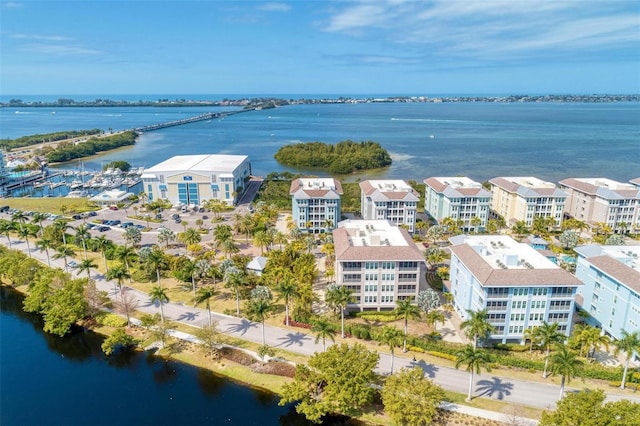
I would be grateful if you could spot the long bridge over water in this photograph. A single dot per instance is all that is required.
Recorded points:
(201, 117)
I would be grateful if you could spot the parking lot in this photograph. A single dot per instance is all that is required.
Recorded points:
(111, 222)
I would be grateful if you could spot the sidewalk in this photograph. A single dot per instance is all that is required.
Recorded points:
(535, 394)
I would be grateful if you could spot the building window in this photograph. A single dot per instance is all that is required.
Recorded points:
(350, 278)
(520, 291)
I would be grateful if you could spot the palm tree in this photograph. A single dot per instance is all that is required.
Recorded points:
(235, 279)
(229, 247)
(594, 338)
(82, 233)
(475, 221)
(119, 273)
(45, 244)
(406, 309)
(474, 360)
(259, 309)
(433, 317)
(158, 294)
(393, 338)
(20, 217)
(548, 335)
(6, 227)
(26, 232)
(628, 343)
(38, 218)
(102, 243)
(125, 254)
(476, 326)
(188, 237)
(62, 253)
(61, 226)
(157, 261)
(324, 329)
(565, 363)
(86, 265)
(199, 269)
(530, 334)
(339, 296)
(204, 294)
(287, 289)
(166, 236)
(434, 256)
(222, 233)
(132, 235)
(262, 239)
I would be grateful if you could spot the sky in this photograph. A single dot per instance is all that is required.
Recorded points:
(392, 47)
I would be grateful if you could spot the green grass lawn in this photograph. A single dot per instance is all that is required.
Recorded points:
(49, 205)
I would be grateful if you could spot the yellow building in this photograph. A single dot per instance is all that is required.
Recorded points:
(193, 179)
(523, 198)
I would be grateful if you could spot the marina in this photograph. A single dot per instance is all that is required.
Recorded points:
(74, 183)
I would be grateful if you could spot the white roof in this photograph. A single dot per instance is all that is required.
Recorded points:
(202, 163)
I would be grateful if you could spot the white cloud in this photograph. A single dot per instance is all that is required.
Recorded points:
(11, 5)
(59, 50)
(275, 7)
(40, 37)
(494, 29)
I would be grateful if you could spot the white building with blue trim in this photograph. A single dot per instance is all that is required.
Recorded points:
(519, 287)
(611, 291)
(193, 179)
(315, 204)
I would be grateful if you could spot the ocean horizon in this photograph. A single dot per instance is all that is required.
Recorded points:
(481, 140)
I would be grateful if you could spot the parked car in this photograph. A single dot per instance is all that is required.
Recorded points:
(113, 207)
(178, 220)
(4, 209)
(115, 222)
(140, 227)
(103, 228)
(125, 225)
(76, 217)
(93, 214)
(175, 216)
(73, 264)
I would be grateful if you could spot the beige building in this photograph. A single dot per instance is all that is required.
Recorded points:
(193, 179)
(393, 200)
(593, 200)
(379, 262)
(523, 198)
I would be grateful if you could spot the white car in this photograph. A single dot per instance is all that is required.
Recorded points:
(73, 264)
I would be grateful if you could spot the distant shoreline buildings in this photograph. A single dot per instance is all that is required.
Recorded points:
(266, 102)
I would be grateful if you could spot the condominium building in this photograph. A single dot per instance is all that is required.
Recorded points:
(523, 198)
(611, 291)
(379, 262)
(393, 200)
(519, 287)
(193, 179)
(458, 198)
(594, 200)
(315, 204)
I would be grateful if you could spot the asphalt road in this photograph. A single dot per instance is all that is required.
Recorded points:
(487, 385)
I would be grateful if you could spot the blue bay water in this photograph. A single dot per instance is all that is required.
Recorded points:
(48, 380)
(481, 140)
